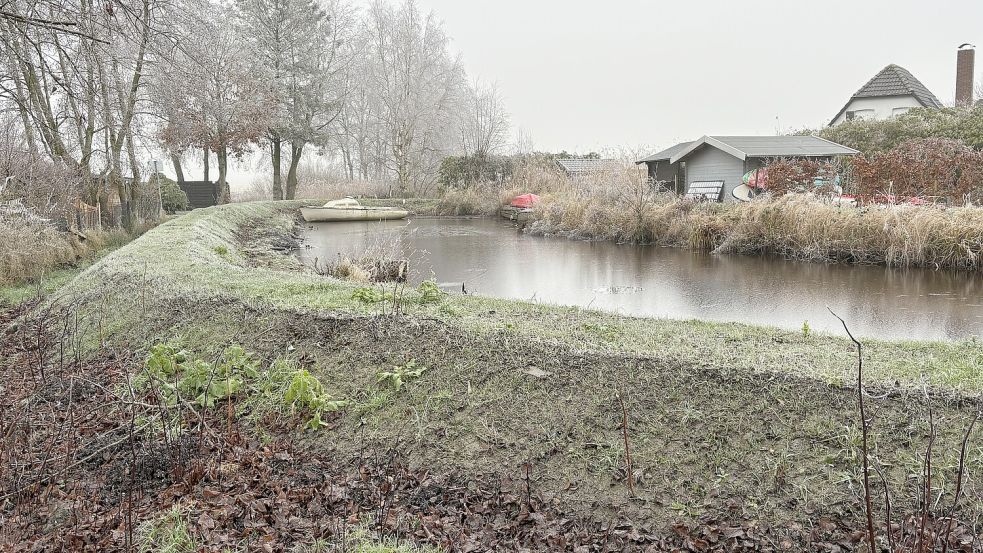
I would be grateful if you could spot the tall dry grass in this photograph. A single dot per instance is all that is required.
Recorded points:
(28, 251)
(536, 176)
(896, 236)
(794, 227)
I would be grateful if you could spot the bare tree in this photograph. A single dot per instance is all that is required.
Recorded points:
(484, 121)
(221, 105)
(76, 73)
(419, 86)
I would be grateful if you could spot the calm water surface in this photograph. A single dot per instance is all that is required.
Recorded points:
(491, 257)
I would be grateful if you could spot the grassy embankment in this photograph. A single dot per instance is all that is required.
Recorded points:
(718, 411)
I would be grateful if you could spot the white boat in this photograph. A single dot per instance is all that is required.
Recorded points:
(742, 193)
(348, 209)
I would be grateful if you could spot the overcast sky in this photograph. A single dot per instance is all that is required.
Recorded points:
(583, 75)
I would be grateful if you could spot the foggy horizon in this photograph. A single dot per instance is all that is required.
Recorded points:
(581, 79)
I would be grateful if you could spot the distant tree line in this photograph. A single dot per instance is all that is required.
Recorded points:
(93, 89)
(467, 170)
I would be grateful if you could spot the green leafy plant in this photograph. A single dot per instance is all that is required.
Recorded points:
(401, 374)
(221, 250)
(430, 292)
(165, 360)
(306, 392)
(806, 329)
(369, 295)
(176, 374)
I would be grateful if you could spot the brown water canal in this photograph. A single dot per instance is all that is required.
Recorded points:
(491, 257)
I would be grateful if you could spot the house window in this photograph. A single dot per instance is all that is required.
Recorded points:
(860, 114)
(899, 111)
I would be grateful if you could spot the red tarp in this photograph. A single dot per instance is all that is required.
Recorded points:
(525, 201)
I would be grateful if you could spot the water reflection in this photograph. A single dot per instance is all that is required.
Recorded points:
(491, 257)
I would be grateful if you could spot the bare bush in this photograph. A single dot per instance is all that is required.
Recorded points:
(383, 261)
(46, 188)
(316, 181)
(922, 167)
(29, 250)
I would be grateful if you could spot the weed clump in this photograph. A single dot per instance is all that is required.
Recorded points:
(369, 295)
(170, 532)
(306, 392)
(430, 292)
(175, 373)
(401, 374)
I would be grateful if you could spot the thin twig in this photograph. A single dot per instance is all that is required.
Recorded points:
(863, 423)
(624, 432)
(887, 508)
(959, 481)
(927, 475)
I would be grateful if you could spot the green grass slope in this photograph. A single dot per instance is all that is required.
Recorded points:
(724, 420)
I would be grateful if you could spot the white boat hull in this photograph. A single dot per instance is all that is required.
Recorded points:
(742, 193)
(330, 214)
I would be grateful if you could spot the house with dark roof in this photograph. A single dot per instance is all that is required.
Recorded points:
(892, 91)
(713, 166)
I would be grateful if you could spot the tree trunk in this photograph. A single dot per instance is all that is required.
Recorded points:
(134, 188)
(277, 146)
(206, 164)
(221, 187)
(296, 151)
(102, 198)
(178, 170)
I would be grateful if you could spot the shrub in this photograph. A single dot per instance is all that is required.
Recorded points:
(790, 175)
(922, 167)
(962, 124)
(172, 197)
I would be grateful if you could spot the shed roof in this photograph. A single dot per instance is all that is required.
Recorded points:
(664, 154)
(743, 147)
(583, 166)
(894, 80)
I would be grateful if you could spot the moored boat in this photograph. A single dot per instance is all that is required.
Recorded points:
(520, 209)
(348, 209)
(517, 214)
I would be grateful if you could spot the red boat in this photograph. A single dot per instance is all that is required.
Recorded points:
(525, 201)
(520, 209)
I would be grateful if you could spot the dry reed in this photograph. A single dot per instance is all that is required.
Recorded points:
(793, 227)
(28, 251)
